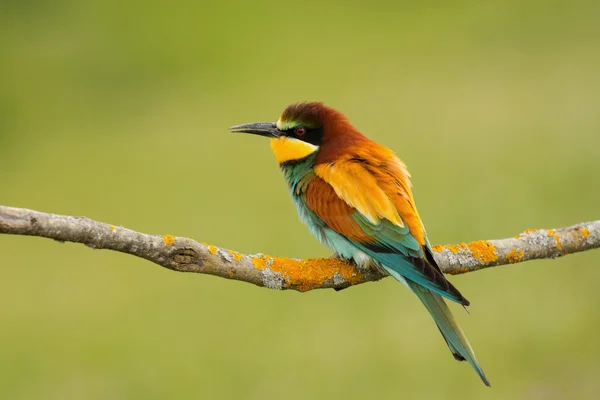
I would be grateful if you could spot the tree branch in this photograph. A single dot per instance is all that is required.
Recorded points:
(186, 255)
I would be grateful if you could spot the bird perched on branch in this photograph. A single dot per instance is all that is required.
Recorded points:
(355, 196)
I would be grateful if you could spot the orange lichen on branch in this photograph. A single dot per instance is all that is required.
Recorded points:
(585, 232)
(168, 240)
(514, 256)
(554, 235)
(113, 228)
(459, 271)
(484, 251)
(452, 247)
(236, 256)
(212, 249)
(308, 274)
(527, 232)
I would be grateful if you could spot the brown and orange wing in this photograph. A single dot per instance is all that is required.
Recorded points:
(367, 198)
(377, 184)
(321, 198)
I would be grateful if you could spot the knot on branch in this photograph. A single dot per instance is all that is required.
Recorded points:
(186, 259)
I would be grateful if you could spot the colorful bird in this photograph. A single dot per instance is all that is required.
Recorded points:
(355, 197)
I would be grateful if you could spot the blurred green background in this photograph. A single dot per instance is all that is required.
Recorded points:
(119, 111)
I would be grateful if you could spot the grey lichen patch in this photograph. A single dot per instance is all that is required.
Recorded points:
(272, 280)
(462, 257)
(338, 279)
(226, 255)
(592, 233)
(537, 238)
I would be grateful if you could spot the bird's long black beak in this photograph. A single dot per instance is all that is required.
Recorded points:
(268, 129)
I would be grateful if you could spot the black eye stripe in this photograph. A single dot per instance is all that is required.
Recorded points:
(308, 135)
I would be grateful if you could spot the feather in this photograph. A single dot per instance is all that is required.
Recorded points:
(453, 335)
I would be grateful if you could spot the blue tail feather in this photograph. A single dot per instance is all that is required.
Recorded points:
(454, 336)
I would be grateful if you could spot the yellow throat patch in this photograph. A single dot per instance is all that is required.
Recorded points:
(289, 149)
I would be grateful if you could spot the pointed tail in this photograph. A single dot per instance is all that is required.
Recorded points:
(454, 336)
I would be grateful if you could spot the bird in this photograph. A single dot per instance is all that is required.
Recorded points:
(355, 196)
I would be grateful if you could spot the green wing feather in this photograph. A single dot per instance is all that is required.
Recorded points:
(395, 248)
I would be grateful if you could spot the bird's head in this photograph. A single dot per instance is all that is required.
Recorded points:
(303, 129)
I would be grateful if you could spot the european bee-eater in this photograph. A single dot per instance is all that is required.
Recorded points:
(355, 196)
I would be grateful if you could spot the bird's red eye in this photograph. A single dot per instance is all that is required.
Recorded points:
(300, 131)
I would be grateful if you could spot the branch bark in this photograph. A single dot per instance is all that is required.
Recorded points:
(186, 255)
